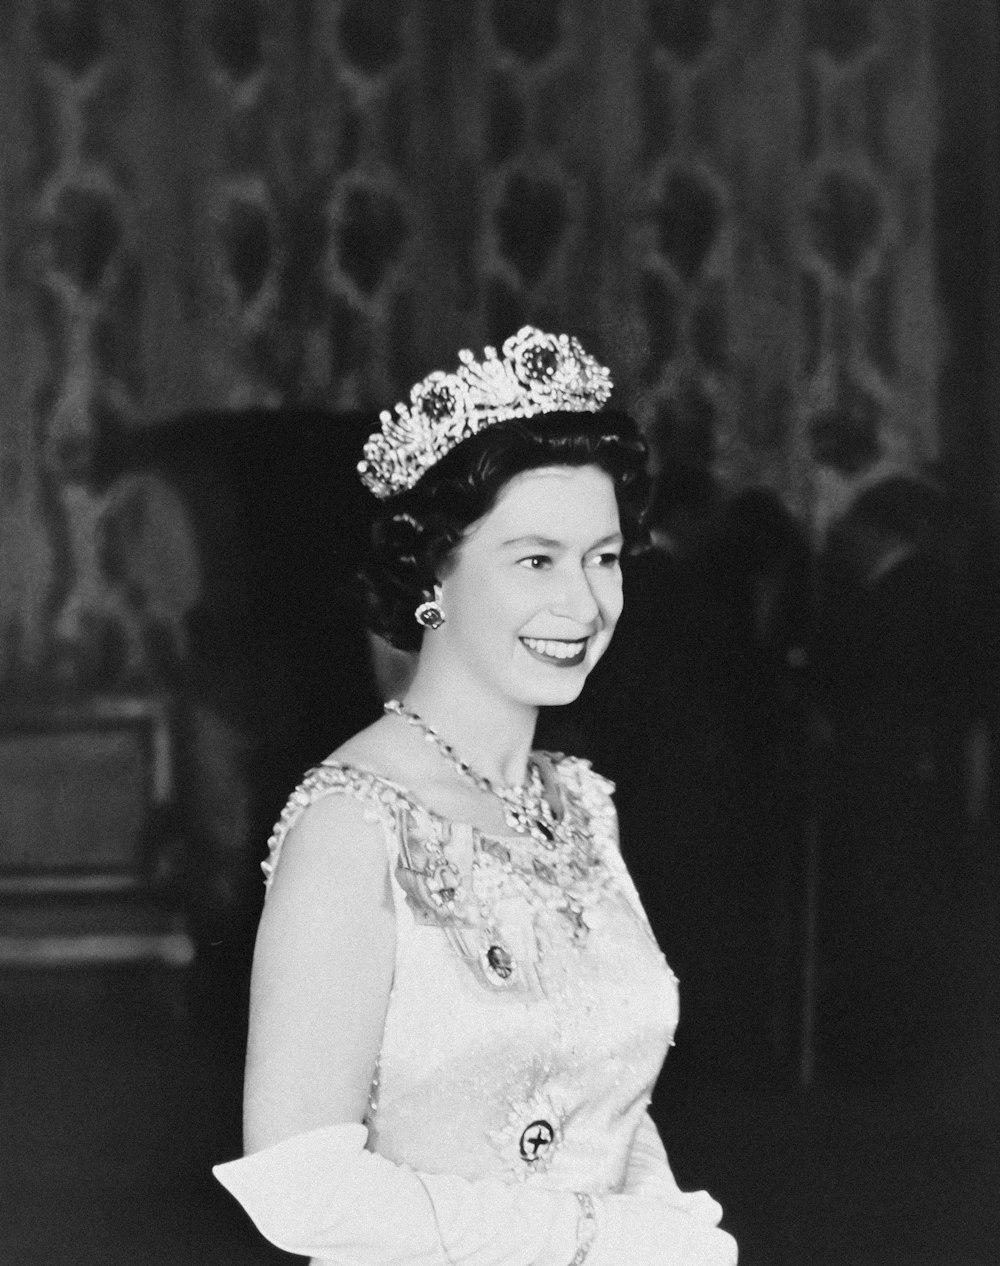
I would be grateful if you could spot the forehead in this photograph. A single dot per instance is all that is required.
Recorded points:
(559, 502)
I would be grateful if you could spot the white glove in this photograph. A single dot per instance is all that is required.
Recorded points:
(649, 1174)
(323, 1195)
(637, 1231)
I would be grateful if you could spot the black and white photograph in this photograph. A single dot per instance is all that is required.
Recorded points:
(500, 632)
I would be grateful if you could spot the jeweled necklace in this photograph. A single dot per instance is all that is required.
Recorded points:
(525, 808)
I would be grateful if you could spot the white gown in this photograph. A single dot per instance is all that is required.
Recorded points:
(531, 1008)
(529, 1016)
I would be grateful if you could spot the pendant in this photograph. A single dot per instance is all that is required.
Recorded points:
(498, 963)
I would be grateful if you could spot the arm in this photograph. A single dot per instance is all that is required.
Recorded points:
(321, 1194)
(322, 972)
(322, 976)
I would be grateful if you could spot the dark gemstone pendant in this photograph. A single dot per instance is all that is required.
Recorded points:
(500, 962)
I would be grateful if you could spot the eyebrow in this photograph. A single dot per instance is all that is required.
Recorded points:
(546, 542)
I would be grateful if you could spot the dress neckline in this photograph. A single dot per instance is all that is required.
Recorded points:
(548, 762)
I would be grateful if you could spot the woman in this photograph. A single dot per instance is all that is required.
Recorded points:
(458, 1011)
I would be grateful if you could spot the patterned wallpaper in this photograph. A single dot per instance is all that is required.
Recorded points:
(218, 203)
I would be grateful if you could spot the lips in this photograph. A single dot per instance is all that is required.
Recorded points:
(556, 651)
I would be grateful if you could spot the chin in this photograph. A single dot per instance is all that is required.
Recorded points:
(553, 694)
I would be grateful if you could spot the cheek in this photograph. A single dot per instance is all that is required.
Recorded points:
(487, 606)
(611, 599)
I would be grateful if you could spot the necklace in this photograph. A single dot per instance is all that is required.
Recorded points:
(525, 808)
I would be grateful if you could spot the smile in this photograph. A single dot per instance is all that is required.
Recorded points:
(550, 651)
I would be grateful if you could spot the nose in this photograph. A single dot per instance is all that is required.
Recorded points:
(576, 600)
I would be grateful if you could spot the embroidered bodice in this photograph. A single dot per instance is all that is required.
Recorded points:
(531, 1008)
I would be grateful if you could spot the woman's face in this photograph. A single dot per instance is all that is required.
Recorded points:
(532, 594)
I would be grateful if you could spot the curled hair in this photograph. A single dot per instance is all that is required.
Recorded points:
(415, 531)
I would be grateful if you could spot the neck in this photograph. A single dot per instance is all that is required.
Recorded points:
(493, 735)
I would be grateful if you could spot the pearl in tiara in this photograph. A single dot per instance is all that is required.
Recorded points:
(536, 373)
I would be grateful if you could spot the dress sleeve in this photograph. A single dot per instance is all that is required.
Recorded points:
(322, 1194)
(649, 1175)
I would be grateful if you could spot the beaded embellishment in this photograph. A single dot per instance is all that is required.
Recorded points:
(512, 874)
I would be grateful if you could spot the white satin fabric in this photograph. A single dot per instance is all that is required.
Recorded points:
(530, 1014)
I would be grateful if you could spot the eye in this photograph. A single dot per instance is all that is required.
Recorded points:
(607, 560)
(535, 562)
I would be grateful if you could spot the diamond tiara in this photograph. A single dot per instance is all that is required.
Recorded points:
(537, 373)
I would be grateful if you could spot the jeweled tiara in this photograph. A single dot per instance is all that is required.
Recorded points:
(537, 373)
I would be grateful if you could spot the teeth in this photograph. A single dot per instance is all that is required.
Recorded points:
(555, 650)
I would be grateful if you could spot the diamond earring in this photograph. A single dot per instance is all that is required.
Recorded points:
(429, 614)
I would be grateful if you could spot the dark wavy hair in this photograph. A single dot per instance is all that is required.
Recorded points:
(415, 531)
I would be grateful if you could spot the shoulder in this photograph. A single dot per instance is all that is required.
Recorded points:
(329, 832)
(587, 796)
(578, 776)
(372, 744)
(341, 809)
